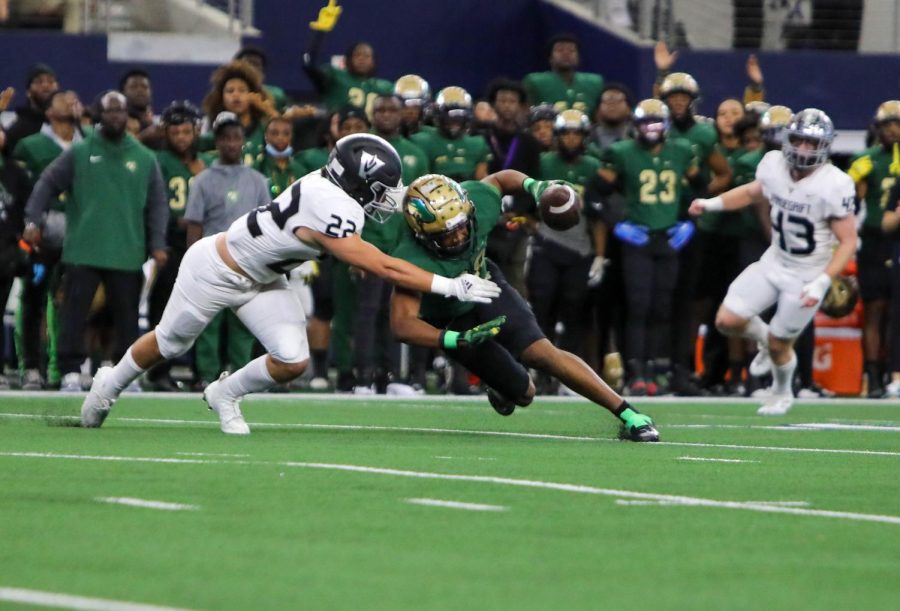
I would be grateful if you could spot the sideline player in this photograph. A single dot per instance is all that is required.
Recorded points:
(450, 224)
(812, 202)
(244, 269)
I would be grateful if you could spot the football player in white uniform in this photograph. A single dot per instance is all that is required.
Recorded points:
(812, 204)
(244, 269)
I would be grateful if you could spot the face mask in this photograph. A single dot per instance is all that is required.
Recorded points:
(274, 152)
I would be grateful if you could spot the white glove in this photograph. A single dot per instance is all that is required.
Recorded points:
(814, 291)
(465, 287)
(699, 206)
(595, 274)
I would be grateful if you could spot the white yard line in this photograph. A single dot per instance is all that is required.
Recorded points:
(456, 505)
(463, 458)
(211, 454)
(410, 429)
(145, 503)
(624, 502)
(700, 459)
(69, 601)
(501, 481)
(822, 426)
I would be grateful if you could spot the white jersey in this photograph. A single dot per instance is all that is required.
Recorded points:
(801, 210)
(263, 242)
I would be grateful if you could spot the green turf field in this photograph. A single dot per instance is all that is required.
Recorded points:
(342, 504)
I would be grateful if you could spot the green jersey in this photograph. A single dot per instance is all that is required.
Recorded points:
(343, 88)
(413, 158)
(736, 223)
(455, 158)
(488, 209)
(279, 178)
(34, 153)
(577, 172)
(651, 183)
(744, 167)
(583, 93)
(885, 168)
(108, 197)
(279, 97)
(314, 158)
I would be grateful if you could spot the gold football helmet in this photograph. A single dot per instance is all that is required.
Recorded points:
(571, 120)
(842, 298)
(773, 122)
(888, 111)
(679, 82)
(440, 214)
(413, 90)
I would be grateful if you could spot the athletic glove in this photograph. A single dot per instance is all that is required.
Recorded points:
(328, 16)
(814, 292)
(465, 287)
(595, 274)
(38, 273)
(628, 232)
(451, 340)
(680, 234)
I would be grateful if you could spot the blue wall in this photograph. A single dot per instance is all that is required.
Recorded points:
(468, 42)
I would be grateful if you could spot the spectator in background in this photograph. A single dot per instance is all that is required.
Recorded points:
(15, 188)
(415, 94)
(277, 162)
(35, 153)
(236, 88)
(612, 119)
(179, 164)
(355, 83)
(451, 150)
(875, 170)
(257, 58)
(562, 262)
(541, 120)
(30, 117)
(512, 148)
(563, 86)
(890, 223)
(137, 88)
(219, 195)
(115, 213)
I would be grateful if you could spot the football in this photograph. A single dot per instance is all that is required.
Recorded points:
(560, 207)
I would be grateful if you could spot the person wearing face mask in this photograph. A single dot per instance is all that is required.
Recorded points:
(277, 161)
(116, 214)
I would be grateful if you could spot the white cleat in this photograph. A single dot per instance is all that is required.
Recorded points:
(231, 421)
(98, 401)
(776, 405)
(762, 362)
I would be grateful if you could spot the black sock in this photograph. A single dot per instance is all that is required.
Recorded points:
(622, 407)
(319, 363)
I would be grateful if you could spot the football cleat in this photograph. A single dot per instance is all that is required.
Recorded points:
(762, 362)
(640, 428)
(96, 405)
(501, 405)
(231, 420)
(776, 405)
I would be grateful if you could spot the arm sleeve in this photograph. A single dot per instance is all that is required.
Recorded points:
(157, 210)
(311, 61)
(54, 180)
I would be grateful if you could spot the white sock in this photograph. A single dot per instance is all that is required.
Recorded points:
(253, 377)
(124, 373)
(757, 330)
(783, 375)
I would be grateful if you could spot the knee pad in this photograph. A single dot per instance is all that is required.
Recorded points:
(291, 348)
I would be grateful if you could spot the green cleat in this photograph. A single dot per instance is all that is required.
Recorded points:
(639, 427)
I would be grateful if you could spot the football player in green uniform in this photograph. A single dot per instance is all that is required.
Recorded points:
(355, 83)
(875, 170)
(415, 94)
(563, 86)
(277, 162)
(449, 224)
(649, 171)
(451, 150)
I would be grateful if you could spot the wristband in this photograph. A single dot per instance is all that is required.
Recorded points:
(449, 340)
(530, 186)
(441, 285)
(716, 204)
